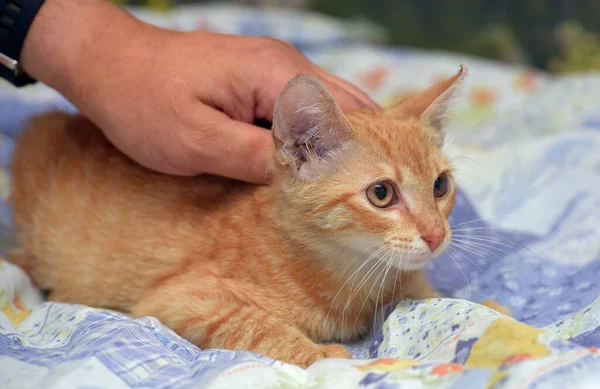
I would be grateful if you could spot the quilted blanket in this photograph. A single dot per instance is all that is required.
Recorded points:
(526, 147)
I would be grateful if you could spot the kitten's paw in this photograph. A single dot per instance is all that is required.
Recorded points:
(497, 307)
(306, 357)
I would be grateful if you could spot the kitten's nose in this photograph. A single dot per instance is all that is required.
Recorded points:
(434, 238)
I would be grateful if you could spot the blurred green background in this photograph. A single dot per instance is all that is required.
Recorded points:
(555, 35)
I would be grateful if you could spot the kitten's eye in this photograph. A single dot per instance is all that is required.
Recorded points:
(441, 186)
(381, 194)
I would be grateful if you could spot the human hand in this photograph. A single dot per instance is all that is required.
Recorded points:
(184, 102)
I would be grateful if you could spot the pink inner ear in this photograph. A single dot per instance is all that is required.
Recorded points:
(307, 124)
(307, 172)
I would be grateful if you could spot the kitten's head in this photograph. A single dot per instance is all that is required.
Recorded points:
(366, 180)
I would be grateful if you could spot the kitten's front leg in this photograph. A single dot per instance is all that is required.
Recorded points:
(497, 307)
(227, 323)
(418, 287)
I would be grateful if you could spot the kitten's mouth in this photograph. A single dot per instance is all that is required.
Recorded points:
(415, 260)
(420, 259)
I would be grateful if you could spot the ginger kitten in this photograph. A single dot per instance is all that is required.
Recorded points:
(273, 269)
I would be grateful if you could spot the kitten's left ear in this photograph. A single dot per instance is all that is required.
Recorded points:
(309, 129)
(432, 104)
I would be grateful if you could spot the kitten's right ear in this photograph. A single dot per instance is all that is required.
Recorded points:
(432, 104)
(309, 129)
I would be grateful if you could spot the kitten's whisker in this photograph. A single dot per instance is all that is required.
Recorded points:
(374, 254)
(465, 257)
(352, 277)
(483, 245)
(483, 250)
(456, 172)
(476, 228)
(368, 275)
(488, 234)
(467, 158)
(463, 273)
(463, 133)
(354, 292)
(400, 269)
(477, 239)
(477, 234)
(357, 257)
(516, 245)
(481, 255)
(369, 294)
(386, 268)
(382, 289)
(488, 249)
(405, 269)
(494, 244)
(377, 296)
(395, 283)
(478, 220)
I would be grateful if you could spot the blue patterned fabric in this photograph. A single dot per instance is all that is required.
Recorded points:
(526, 148)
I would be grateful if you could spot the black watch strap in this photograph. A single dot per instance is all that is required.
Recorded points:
(16, 17)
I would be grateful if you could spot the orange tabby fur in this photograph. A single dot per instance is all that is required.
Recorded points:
(227, 264)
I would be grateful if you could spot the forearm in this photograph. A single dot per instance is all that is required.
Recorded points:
(69, 36)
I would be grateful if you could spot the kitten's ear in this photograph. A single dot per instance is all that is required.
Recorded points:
(309, 129)
(432, 104)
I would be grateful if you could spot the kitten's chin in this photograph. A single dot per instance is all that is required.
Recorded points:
(418, 262)
(412, 265)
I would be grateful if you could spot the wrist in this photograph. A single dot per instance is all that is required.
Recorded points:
(64, 36)
(16, 17)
